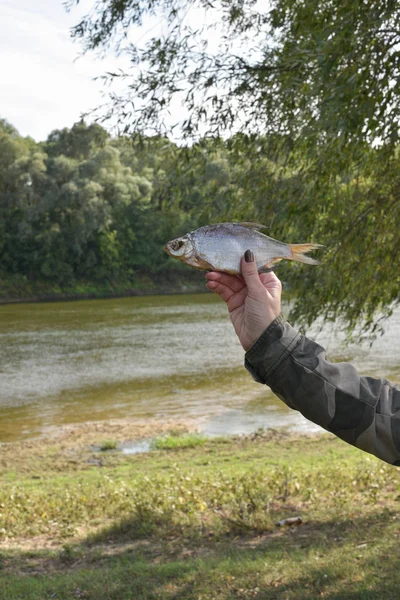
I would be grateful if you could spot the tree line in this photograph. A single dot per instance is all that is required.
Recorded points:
(313, 87)
(84, 206)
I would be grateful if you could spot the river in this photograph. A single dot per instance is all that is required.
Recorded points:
(153, 357)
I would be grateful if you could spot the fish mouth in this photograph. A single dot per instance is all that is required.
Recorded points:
(166, 249)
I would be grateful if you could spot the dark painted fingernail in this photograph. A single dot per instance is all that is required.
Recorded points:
(248, 256)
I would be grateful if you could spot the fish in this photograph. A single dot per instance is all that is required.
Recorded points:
(220, 247)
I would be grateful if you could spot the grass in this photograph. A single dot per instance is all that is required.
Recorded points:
(173, 441)
(197, 521)
(108, 445)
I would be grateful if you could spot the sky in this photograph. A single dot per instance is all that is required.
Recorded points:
(46, 85)
(46, 82)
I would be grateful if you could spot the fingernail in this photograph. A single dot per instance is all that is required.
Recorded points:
(248, 256)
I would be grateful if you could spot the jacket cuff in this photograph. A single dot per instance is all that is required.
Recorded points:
(270, 350)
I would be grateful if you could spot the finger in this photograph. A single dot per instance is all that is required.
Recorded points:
(232, 281)
(237, 300)
(250, 273)
(222, 290)
(269, 279)
(272, 284)
(217, 274)
(213, 274)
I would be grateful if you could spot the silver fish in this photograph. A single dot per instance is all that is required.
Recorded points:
(220, 247)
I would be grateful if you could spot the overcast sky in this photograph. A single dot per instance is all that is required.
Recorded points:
(46, 83)
(43, 86)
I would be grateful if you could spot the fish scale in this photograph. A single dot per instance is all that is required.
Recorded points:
(220, 247)
(214, 247)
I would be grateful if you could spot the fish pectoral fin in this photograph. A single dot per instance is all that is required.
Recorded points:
(269, 265)
(202, 264)
(249, 225)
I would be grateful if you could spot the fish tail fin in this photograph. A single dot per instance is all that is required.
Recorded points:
(269, 266)
(298, 251)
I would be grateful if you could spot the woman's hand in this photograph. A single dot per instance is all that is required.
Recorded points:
(253, 300)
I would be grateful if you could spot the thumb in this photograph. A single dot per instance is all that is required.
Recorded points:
(250, 273)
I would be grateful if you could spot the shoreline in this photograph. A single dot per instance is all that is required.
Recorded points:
(19, 292)
(66, 297)
(73, 446)
(120, 430)
(135, 429)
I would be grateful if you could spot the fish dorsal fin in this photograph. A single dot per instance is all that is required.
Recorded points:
(255, 226)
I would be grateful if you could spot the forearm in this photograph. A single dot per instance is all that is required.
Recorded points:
(363, 411)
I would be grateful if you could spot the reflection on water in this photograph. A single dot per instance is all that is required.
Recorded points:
(150, 357)
(135, 447)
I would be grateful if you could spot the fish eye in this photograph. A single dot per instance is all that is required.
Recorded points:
(177, 244)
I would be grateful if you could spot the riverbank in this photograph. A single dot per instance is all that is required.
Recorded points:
(195, 517)
(19, 289)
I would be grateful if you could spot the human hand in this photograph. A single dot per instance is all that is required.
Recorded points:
(253, 300)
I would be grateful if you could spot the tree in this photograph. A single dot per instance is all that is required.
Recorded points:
(311, 85)
(310, 68)
(78, 142)
(21, 179)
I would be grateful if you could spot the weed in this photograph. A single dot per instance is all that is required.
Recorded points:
(108, 445)
(173, 441)
(200, 523)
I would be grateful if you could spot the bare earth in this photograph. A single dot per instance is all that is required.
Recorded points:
(85, 434)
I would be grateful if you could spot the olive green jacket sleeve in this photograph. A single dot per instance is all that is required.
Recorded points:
(363, 411)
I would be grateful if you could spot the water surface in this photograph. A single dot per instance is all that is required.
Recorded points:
(158, 357)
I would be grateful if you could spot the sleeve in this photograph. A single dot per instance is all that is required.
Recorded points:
(362, 411)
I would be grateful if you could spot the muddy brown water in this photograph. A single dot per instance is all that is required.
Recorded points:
(154, 357)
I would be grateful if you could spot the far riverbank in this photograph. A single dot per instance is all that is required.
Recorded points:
(20, 290)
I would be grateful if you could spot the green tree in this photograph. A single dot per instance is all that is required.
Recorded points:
(78, 142)
(313, 87)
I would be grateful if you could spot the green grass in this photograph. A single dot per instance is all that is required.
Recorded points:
(198, 522)
(108, 445)
(173, 441)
